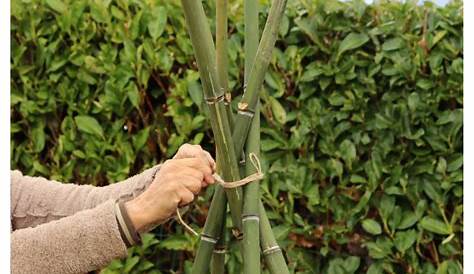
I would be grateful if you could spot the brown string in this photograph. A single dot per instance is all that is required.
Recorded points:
(258, 175)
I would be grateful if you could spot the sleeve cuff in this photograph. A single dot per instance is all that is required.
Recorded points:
(128, 232)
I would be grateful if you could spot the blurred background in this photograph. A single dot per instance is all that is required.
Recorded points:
(361, 122)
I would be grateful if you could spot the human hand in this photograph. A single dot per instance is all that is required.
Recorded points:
(196, 151)
(175, 185)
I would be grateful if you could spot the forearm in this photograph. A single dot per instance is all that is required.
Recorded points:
(36, 200)
(84, 242)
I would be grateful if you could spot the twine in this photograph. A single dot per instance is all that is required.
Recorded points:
(258, 175)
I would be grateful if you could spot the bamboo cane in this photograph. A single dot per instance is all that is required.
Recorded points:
(203, 45)
(221, 55)
(218, 256)
(220, 249)
(250, 211)
(211, 232)
(251, 216)
(272, 253)
(262, 60)
(204, 51)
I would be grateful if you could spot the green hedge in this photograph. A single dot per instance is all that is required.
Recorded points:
(361, 129)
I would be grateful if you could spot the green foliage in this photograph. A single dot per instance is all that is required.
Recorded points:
(361, 122)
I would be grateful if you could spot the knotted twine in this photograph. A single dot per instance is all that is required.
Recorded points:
(258, 175)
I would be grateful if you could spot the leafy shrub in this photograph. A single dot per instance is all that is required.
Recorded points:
(361, 129)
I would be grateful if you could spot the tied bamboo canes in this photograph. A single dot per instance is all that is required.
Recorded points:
(246, 106)
(203, 45)
(250, 211)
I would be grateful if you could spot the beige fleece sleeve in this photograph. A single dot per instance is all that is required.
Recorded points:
(83, 242)
(36, 200)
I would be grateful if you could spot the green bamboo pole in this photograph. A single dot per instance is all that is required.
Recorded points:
(201, 39)
(259, 67)
(250, 211)
(272, 253)
(251, 35)
(218, 255)
(203, 45)
(211, 232)
(221, 55)
(220, 249)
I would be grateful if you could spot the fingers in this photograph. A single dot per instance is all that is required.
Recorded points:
(191, 183)
(196, 163)
(211, 160)
(192, 172)
(186, 196)
(191, 151)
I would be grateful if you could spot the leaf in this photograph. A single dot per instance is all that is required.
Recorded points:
(195, 91)
(351, 264)
(348, 152)
(157, 24)
(57, 5)
(89, 125)
(176, 242)
(278, 111)
(281, 232)
(133, 95)
(405, 239)
(393, 44)
(435, 226)
(455, 164)
(38, 137)
(372, 226)
(139, 140)
(352, 41)
(130, 263)
(408, 220)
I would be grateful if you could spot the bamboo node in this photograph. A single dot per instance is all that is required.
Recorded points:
(271, 249)
(214, 100)
(208, 239)
(245, 113)
(220, 251)
(242, 106)
(251, 218)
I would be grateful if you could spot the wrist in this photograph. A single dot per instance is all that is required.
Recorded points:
(137, 215)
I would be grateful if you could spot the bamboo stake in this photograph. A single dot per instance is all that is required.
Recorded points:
(272, 253)
(211, 231)
(203, 45)
(251, 216)
(218, 256)
(221, 55)
(262, 60)
(220, 249)
(250, 211)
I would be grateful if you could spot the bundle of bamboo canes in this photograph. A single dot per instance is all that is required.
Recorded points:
(249, 220)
